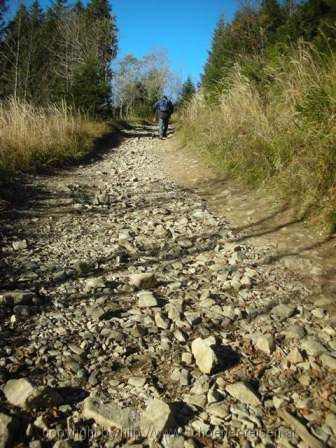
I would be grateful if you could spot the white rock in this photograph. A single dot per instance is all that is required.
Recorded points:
(146, 299)
(243, 393)
(278, 402)
(21, 393)
(265, 343)
(137, 381)
(220, 410)
(205, 356)
(228, 311)
(201, 427)
(160, 321)
(143, 280)
(94, 283)
(174, 311)
(19, 245)
(294, 356)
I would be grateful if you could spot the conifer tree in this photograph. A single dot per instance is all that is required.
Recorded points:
(101, 42)
(220, 56)
(78, 8)
(271, 19)
(100, 16)
(317, 15)
(55, 87)
(36, 62)
(188, 90)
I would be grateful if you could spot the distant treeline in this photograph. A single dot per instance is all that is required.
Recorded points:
(61, 53)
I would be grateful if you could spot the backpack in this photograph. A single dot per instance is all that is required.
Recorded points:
(164, 105)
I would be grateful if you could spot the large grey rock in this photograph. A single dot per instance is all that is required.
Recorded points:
(243, 393)
(283, 311)
(109, 415)
(23, 394)
(156, 419)
(294, 332)
(142, 281)
(205, 356)
(17, 392)
(198, 400)
(312, 346)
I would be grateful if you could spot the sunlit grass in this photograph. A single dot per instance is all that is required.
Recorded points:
(33, 136)
(286, 143)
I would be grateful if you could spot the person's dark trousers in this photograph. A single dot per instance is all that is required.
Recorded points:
(163, 123)
(163, 127)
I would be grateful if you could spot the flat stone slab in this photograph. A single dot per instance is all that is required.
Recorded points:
(146, 299)
(243, 393)
(109, 415)
(156, 419)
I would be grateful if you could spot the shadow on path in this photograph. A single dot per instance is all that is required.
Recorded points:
(24, 190)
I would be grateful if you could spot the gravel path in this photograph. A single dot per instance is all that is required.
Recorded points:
(126, 305)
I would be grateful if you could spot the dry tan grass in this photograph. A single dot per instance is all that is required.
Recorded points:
(286, 143)
(32, 136)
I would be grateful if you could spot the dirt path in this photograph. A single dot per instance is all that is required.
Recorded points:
(262, 221)
(126, 303)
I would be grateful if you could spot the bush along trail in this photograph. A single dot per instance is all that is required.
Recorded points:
(127, 305)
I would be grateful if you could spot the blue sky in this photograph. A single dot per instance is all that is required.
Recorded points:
(183, 27)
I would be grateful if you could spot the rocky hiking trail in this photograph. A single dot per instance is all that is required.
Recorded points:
(126, 305)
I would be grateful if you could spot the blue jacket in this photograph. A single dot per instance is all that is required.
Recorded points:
(164, 114)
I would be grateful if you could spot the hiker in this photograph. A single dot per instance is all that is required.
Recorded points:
(163, 108)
